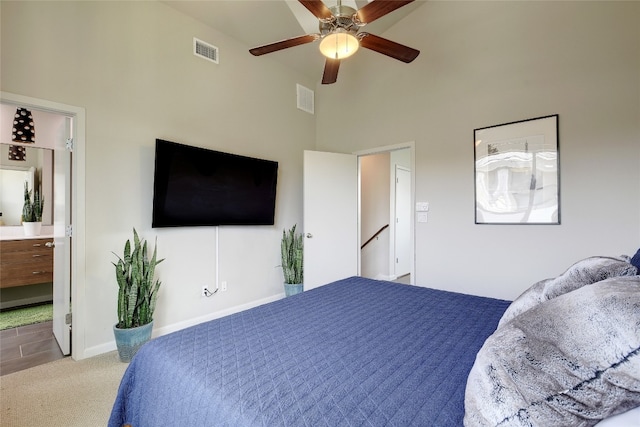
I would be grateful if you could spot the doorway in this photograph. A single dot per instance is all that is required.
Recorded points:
(333, 211)
(34, 268)
(386, 250)
(68, 183)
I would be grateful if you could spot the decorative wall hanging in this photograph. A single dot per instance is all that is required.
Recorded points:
(18, 153)
(23, 127)
(517, 174)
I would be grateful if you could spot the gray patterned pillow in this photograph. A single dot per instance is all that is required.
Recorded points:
(585, 272)
(572, 360)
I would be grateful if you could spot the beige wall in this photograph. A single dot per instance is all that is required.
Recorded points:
(486, 63)
(130, 65)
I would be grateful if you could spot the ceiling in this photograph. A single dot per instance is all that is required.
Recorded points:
(259, 22)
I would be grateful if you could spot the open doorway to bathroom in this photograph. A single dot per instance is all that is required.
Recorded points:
(35, 265)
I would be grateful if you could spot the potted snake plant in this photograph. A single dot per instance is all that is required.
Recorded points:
(291, 250)
(32, 211)
(137, 295)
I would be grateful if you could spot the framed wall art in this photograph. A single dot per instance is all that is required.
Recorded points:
(517, 174)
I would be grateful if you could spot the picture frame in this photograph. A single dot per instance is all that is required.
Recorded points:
(517, 172)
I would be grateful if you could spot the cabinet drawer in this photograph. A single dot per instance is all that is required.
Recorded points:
(26, 274)
(22, 257)
(8, 246)
(25, 262)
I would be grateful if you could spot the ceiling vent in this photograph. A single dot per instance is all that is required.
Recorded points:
(205, 50)
(305, 98)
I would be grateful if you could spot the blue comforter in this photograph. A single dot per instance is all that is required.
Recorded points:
(354, 352)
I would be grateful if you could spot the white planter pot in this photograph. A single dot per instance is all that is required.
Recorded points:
(32, 228)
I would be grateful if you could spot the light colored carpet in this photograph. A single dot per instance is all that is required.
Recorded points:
(62, 393)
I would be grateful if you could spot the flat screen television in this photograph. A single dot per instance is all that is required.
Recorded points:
(198, 187)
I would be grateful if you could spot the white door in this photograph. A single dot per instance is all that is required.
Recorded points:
(402, 222)
(330, 217)
(62, 249)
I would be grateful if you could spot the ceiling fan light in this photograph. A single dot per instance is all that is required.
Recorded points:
(339, 45)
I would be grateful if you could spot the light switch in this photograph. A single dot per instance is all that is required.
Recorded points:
(422, 217)
(422, 206)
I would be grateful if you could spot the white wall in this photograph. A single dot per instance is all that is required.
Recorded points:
(130, 65)
(486, 63)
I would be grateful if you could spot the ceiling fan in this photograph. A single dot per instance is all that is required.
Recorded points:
(340, 35)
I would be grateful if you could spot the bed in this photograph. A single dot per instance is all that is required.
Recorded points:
(354, 352)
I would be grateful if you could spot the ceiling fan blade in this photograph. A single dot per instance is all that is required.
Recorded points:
(378, 8)
(330, 75)
(318, 8)
(283, 44)
(387, 47)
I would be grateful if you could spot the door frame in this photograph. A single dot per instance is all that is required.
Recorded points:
(411, 146)
(77, 207)
(393, 211)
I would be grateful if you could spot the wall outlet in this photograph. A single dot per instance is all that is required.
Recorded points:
(223, 285)
(205, 291)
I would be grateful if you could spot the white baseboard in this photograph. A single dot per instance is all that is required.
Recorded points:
(211, 316)
(111, 345)
(96, 350)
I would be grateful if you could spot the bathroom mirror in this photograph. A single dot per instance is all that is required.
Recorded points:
(36, 169)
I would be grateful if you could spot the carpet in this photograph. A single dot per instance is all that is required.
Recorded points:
(25, 316)
(62, 393)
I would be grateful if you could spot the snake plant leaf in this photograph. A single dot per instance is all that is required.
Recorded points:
(127, 252)
(33, 206)
(132, 300)
(154, 297)
(138, 291)
(291, 251)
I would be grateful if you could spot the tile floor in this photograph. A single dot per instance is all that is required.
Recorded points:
(27, 346)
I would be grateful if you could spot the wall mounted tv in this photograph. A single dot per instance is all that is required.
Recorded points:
(198, 187)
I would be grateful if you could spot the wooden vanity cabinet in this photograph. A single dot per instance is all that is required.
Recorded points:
(25, 262)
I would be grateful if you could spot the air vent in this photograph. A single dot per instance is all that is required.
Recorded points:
(205, 50)
(305, 98)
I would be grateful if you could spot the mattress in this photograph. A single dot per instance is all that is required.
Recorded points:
(354, 352)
